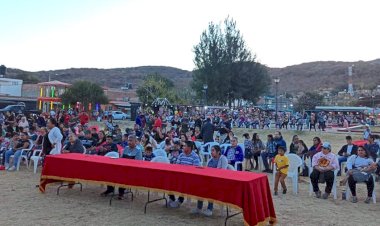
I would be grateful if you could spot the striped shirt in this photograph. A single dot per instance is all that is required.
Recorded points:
(192, 159)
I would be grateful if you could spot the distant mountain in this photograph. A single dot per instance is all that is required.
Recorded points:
(114, 78)
(327, 74)
(293, 79)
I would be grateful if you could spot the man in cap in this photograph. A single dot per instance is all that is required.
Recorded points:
(324, 163)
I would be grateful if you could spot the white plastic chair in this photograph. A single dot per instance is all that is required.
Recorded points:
(24, 155)
(224, 147)
(334, 189)
(112, 154)
(231, 167)
(161, 145)
(206, 150)
(161, 159)
(36, 158)
(294, 162)
(348, 191)
(198, 144)
(160, 152)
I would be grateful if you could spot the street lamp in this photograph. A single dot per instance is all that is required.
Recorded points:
(205, 87)
(276, 80)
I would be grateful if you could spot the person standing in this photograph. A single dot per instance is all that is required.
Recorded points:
(207, 131)
(55, 136)
(282, 165)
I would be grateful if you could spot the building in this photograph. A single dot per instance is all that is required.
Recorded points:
(50, 95)
(10, 87)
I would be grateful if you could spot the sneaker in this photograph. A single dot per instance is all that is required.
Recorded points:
(195, 211)
(13, 168)
(284, 191)
(354, 199)
(318, 194)
(325, 195)
(368, 200)
(120, 197)
(275, 193)
(207, 213)
(174, 204)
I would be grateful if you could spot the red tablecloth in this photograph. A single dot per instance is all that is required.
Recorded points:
(249, 192)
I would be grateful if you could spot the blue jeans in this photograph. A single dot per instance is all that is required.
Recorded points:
(341, 159)
(16, 157)
(265, 156)
(210, 205)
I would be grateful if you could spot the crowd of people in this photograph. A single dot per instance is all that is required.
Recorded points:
(179, 135)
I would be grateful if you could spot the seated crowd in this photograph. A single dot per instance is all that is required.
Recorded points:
(179, 142)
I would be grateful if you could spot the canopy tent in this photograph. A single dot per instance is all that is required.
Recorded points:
(161, 102)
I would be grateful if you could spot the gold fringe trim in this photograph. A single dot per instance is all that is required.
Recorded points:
(262, 223)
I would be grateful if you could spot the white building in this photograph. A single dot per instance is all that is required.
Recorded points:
(10, 87)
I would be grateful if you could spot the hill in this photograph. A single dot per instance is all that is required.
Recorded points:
(114, 78)
(327, 74)
(297, 78)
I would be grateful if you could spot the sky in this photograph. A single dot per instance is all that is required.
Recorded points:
(57, 34)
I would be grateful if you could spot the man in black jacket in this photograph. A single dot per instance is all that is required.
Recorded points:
(346, 151)
(207, 131)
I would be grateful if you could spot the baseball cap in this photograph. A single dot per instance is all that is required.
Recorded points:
(326, 145)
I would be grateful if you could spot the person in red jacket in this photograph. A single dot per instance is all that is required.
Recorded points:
(83, 118)
(157, 122)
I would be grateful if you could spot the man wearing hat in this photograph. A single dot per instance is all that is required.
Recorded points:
(324, 163)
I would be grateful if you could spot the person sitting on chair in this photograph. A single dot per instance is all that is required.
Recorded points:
(187, 157)
(107, 147)
(346, 151)
(234, 153)
(23, 143)
(324, 163)
(148, 153)
(360, 167)
(217, 161)
(130, 152)
(74, 145)
(372, 147)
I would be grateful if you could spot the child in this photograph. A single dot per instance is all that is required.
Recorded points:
(282, 164)
(248, 146)
(148, 153)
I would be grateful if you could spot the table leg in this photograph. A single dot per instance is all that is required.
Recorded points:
(230, 216)
(155, 200)
(67, 185)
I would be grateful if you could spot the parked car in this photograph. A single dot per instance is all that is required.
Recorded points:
(119, 115)
(18, 109)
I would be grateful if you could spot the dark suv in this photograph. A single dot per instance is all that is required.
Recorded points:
(18, 109)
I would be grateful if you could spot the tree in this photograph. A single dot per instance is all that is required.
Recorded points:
(308, 101)
(84, 92)
(154, 86)
(223, 62)
(27, 78)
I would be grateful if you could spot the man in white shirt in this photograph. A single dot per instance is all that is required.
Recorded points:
(324, 163)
